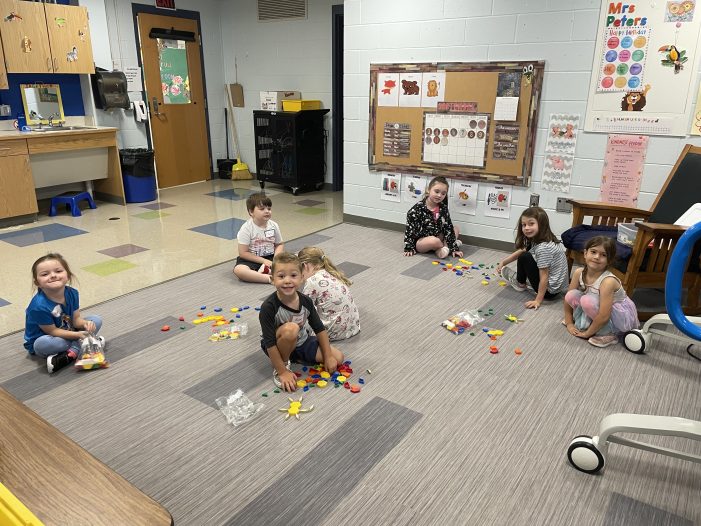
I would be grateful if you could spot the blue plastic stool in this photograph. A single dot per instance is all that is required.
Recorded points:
(71, 200)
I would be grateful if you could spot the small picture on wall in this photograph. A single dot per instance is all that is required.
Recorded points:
(497, 201)
(410, 90)
(390, 187)
(388, 89)
(432, 89)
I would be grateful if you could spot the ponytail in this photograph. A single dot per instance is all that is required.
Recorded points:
(316, 258)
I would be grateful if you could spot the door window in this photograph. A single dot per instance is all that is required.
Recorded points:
(175, 78)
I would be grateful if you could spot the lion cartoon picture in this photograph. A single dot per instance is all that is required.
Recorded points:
(432, 88)
(635, 100)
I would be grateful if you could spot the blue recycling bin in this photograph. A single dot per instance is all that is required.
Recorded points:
(138, 175)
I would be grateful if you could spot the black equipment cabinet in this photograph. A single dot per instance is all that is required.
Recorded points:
(290, 148)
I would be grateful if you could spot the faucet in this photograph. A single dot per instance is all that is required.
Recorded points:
(51, 119)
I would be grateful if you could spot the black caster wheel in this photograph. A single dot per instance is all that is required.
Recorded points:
(636, 341)
(295, 190)
(319, 186)
(584, 455)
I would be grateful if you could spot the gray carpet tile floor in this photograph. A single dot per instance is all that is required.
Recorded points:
(443, 432)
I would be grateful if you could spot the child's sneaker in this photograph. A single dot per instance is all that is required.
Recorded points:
(276, 377)
(510, 276)
(603, 341)
(443, 252)
(57, 361)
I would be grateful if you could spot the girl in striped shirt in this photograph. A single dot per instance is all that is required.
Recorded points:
(540, 258)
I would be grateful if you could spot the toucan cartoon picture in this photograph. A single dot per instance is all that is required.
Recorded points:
(674, 57)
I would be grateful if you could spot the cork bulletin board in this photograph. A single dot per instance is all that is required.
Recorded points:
(473, 121)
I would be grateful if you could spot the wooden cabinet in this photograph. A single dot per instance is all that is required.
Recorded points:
(18, 197)
(69, 36)
(3, 72)
(41, 38)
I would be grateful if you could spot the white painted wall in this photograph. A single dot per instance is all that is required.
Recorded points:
(99, 32)
(276, 55)
(561, 33)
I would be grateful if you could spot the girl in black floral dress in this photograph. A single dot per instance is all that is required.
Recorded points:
(428, 224)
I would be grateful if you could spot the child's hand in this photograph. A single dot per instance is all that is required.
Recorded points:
(89, 326)
(288, 381)
(573, 330)
(533, 304)
(409, 252)
(498, 269)
(331, 364)
(457, 253)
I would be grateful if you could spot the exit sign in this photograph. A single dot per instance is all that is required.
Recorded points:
(165, 4)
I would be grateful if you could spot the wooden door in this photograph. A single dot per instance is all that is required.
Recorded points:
(179, 131)
(25, 38)
(69, 36)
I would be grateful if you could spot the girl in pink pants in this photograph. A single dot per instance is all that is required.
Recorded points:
(596, 305)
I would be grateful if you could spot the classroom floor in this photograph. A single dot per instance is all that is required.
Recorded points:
(114, 249)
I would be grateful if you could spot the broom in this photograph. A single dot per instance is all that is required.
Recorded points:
(240, 170)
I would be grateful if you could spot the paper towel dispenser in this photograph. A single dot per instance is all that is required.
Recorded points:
(109, 89)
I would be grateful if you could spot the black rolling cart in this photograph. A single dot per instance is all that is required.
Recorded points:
(290, 148)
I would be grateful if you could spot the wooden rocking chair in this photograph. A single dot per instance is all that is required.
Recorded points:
(656, 236)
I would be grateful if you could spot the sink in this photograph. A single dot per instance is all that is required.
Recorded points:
(62, 128)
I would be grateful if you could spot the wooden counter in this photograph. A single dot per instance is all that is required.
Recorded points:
(17, 191)
(60, 482)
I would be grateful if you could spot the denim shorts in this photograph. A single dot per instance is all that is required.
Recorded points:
(304, 354)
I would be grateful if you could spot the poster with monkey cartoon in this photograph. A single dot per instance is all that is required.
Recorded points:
(646, 68)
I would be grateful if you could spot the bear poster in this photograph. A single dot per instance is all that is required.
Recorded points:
(410, 90)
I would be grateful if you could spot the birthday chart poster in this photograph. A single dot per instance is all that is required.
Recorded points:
(623, 58)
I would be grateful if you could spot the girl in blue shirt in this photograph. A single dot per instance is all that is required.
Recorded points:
(54, 326)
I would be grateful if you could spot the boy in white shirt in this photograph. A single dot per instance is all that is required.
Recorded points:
(259, 240)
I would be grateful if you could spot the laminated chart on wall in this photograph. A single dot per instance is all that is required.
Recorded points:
(455, 138)
(623, 59)
(397, 139)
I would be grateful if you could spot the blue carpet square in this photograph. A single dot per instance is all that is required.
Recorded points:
(226, 229)
(3, 302)
(231, 193)
(40, 234)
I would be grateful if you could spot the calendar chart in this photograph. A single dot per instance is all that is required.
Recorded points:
(455, 138)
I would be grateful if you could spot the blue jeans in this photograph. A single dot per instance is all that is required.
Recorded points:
(48, 345)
